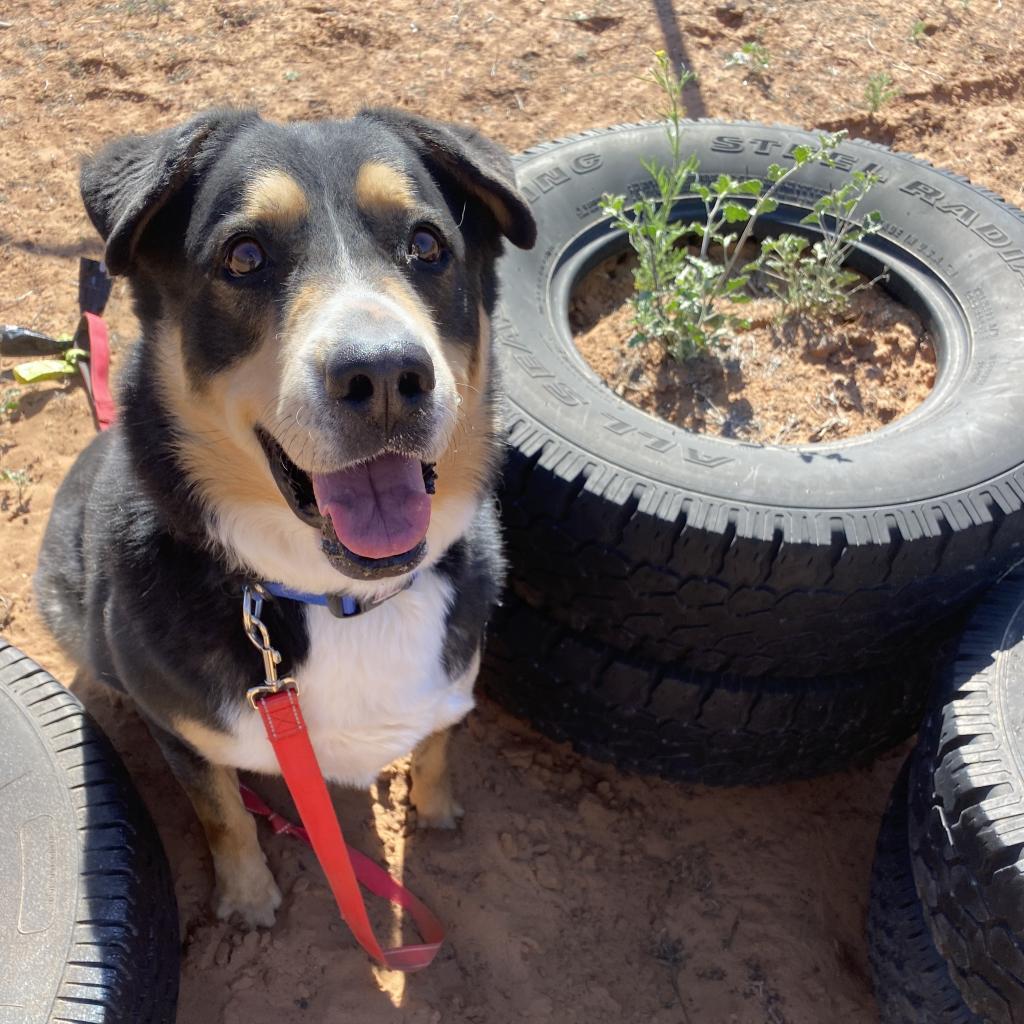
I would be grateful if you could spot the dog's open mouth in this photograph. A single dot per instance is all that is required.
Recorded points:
(373, 516)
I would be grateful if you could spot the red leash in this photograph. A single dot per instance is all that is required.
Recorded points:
(286, 729)
(92, 336)
(344, 867)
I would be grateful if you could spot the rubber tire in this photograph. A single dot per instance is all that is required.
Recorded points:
(88, 919)
(754, 559)
(911, 978)
(967, 810)
(681, 723)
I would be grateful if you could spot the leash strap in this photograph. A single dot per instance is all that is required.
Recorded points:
(96, 373)
(343, 866)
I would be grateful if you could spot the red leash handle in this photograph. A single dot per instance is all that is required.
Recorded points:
(343, 866)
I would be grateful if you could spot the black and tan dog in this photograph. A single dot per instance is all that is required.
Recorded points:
(311, 403)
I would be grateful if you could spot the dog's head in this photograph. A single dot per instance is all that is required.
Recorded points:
(315, 301)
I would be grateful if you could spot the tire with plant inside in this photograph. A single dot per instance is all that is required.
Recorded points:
(88, 919)
(704, 553)
(967, 810)
(910, 975)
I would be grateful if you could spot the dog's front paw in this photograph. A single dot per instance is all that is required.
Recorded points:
(442, 810)
(251, 893)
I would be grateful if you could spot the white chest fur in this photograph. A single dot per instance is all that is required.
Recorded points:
(371, 688)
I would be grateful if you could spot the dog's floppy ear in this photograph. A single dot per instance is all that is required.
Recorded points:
(128, 182)
(477, 166)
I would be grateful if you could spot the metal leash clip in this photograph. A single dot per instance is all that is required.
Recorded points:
(253, 596)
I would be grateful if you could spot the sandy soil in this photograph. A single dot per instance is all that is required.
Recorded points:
(781, 381)
(571, 894)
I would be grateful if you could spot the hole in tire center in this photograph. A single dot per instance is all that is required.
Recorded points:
(796, 381)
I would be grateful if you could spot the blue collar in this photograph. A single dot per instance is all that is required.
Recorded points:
(343, 606)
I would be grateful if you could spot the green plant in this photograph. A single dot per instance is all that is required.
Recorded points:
(9, 402)
(21, 481)
(879, 91)
(810, 278)
(684, 299)
(753, 56)
(919, 31)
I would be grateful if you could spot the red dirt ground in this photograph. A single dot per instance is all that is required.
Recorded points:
(571, 894)
(778, 382)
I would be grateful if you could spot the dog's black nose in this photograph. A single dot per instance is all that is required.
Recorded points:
(386, 382)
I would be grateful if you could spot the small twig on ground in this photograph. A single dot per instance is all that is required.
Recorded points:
(670, 953)
(728, 940)
(778, 439)
(830, 424)
(20, 298)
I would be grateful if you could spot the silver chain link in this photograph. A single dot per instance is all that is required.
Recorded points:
(253, 596)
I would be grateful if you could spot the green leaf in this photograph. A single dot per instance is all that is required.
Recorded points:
(42, 369)
(766, 205)
(735, 213)
(811, 218)
(801, 154)
(749, 188)
(775, 172)
(723, 184)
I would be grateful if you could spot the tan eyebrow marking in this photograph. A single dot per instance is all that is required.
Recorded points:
(382, 188)
(276, 197)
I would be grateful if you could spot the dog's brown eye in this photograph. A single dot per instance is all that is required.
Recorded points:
(245, 256)
(426, 246)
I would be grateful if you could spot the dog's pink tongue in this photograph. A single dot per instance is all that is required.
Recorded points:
(379, 508)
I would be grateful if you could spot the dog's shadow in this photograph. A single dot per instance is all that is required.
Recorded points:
(309, 959)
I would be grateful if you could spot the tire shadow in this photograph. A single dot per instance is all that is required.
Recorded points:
(675, 47)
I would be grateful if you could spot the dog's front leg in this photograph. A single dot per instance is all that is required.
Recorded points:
(244, 884)
(431, 792)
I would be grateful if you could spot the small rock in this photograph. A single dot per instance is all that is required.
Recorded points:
(595, 814)
(518, 757)
(731, 13)
(546, 870)
(822, 349)
(538, 828)
(508, 845)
